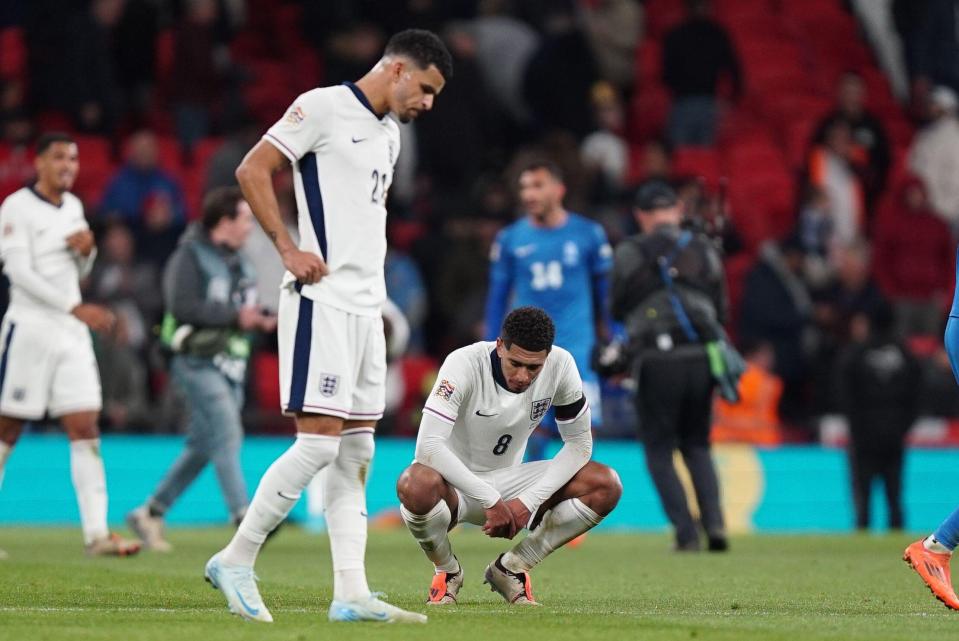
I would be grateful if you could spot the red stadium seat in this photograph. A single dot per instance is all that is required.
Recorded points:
(649, 113)
(702, 162)
(13, 53)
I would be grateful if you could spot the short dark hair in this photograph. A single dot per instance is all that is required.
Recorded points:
(530, 328)
(545, 164)
(51, 137)
(218, 204)
(424, 48)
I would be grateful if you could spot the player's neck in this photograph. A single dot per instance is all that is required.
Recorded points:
(373, 85)
(553, 219)
(49, 194)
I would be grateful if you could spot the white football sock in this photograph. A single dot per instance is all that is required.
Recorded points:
(560, 525)
(90, 485)
(431, 531)
(345, 510)
(931, 544)
(278, 492)
(5, 449)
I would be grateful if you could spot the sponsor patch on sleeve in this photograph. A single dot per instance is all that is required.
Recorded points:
(445, 390)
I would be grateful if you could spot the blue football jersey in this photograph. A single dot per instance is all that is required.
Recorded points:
(554, 269)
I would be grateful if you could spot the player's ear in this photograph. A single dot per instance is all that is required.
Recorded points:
(397, 67)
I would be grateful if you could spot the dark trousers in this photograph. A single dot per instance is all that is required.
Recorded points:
(867, 464)
(674, 403)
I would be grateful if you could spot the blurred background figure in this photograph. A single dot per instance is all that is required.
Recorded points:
(934, 155)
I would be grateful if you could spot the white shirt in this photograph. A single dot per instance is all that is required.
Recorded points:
(343, 157)
(44, 272)
(491, 425)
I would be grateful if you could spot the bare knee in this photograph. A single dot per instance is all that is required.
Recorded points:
(420, 488)
(319, 424)
(81, 425)
(10, 429)
(605, 488)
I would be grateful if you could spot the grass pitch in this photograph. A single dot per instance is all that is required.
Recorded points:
(615, 586)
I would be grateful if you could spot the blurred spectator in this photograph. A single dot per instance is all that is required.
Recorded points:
(777, 309)
(935, 155)
(614, 29)
(138, 180)
(913, 259)
(697, 54)
(405, 288)
(755, 418)
(70, 61)
(605, 153)
(123, 379)
(135, 56)
(853, 292)
(221, 167)
(350, 52)
(928, 31)
(200, 65)
(560, 74)
(504, 46)
(128, 286)
(656, 160)
(16, 132)
(832, 170)
(869, 144)
(879, 390)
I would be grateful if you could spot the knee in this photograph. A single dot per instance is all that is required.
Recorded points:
(419, 488)
(607, 488)
(357, 446)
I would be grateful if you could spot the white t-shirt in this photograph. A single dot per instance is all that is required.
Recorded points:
(343, 157)
(30, 222)
(491, 425)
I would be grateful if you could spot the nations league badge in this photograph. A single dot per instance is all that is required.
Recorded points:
(538, 408)
(329, 383)
(445, 390)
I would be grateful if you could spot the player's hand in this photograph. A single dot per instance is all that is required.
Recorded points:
(81, 242)
(521, 514)
(499, 522)
(307, 267)
(96, 317)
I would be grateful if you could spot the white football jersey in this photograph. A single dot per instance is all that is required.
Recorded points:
(343, 157)
(30, 221)
(491, 424)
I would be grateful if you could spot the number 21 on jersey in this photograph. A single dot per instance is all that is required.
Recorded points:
(380, 184)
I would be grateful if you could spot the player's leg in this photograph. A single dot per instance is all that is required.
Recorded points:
(90, 485)
(693, 428)
(10, 430)
(573, 510)
(429, 505)
(344, 490)
(316, 445)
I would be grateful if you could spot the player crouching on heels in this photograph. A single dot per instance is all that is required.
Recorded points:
(488, 398)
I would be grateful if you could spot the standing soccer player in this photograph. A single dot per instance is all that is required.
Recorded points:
(558, 261)
(469, 454)
(930, 556)
(47, 365)
(343, 146)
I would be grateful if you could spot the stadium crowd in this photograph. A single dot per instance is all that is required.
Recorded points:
(827, 168)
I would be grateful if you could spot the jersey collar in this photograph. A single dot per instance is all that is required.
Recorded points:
(498, 375)
(363, 99)
(37, 193)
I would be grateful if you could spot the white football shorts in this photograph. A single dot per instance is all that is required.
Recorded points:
(331, 362)
(47, 367)
(510, 482)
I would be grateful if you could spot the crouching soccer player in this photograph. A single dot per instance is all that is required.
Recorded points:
(929, 557)
(488, 398)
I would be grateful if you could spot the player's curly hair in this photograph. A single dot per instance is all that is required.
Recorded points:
(424, 48)
(530, 328)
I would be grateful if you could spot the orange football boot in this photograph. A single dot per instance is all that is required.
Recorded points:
(933, 567)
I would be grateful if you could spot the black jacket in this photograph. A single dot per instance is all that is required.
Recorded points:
(640, 298)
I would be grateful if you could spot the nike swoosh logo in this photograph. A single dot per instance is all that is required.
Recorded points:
(479, 413)
(246, 606)
(288, 498)
(355, 139)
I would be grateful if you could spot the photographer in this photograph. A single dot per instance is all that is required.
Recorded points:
(209, 292)
(669, 290)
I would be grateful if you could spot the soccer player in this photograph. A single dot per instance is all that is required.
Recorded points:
(47, 365)
(469, 452)
(929, 557)
(343, 146)
(558, 261)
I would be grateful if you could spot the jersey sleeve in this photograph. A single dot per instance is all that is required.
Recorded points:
(451, 388)
(569, 387)
(305, 125)
(14, 228)
(601, 254)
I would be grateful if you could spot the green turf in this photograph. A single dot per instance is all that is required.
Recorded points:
(615, 586)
